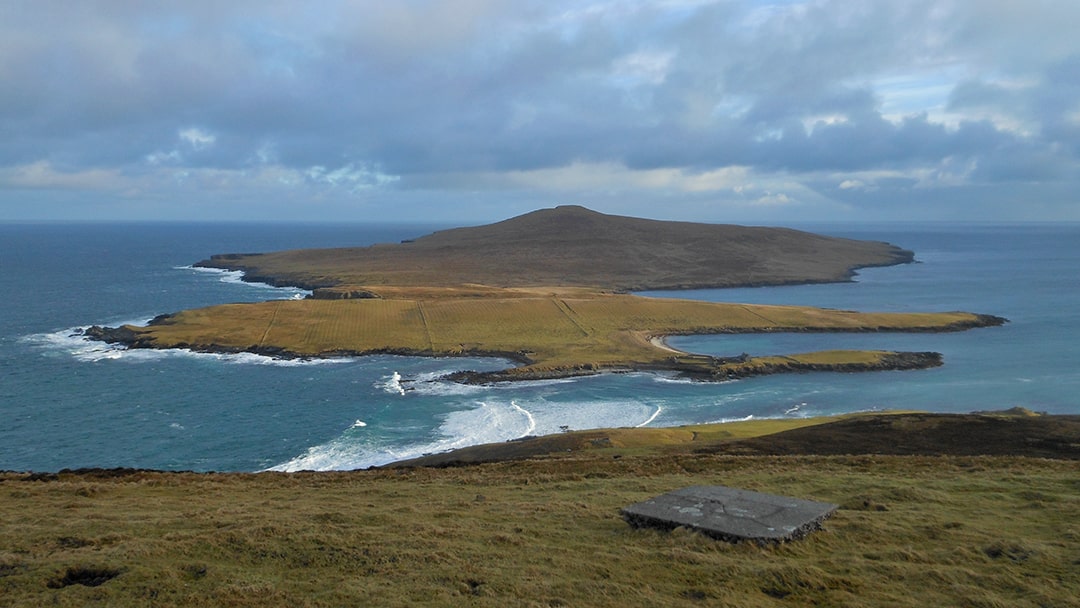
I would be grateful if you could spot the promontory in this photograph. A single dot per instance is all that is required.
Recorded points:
(549, 290)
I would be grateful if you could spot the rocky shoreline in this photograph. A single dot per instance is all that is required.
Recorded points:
(716, 369)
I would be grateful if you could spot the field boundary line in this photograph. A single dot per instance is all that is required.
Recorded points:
(569, 313)
(760, 316)
(427, 328)
(269, 325)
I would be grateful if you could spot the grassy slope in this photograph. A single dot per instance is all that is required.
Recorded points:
(911, 531)
(575, 246)
(549, 331)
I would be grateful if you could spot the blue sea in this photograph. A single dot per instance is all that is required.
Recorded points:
(67, 403)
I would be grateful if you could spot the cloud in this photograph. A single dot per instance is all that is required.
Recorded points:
(197, 138)
(41, 175)
(675, 101)
(353, 176)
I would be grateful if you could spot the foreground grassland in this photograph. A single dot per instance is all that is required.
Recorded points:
(911, 531)
(547, 333)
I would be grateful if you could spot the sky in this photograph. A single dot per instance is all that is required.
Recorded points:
(745, 111)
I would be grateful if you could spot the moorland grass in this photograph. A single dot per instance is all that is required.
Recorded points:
(575, 246)
(911, 531)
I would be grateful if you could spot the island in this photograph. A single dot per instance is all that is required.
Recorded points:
(551, 291)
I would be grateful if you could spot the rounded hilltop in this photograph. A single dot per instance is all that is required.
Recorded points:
(571, 246)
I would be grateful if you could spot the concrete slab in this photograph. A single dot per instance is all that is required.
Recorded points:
(731, 514)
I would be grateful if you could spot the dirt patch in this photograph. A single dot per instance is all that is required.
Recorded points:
(87, 577)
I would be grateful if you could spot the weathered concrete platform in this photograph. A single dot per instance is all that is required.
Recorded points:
(731, 514)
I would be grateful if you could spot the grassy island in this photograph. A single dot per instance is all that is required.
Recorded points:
(547, 291)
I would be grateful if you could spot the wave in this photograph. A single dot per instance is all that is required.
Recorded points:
(528, 416)
(73, 342)
(489, 421)
(670, 379)
(445, 388)
(431, 384)
(392, 385)
(237, 277)
(434, 383)
(746, 418)
(794, 409)
(651, 418)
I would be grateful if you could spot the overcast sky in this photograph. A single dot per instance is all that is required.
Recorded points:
(474, 110)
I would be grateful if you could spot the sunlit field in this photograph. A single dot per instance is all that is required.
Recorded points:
(543, 333)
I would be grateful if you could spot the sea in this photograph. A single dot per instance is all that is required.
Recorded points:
(66, 402)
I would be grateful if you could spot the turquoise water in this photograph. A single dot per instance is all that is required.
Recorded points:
(66, 402)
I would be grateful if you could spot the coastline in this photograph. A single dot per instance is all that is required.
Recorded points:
(660, 342)
(253, 273)
(689, 365)
(624, 349)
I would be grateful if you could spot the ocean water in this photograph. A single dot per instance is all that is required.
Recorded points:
(66, 402)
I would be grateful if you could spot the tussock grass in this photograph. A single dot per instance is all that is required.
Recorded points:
(911, 531)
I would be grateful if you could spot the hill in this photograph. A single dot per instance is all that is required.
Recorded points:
(573, 246)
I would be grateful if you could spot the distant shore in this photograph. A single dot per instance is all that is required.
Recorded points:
(697, 367)
(551, 291)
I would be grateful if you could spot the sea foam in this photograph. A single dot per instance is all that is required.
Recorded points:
(237, 277)
(392, 384)
(73, 342)
(488, 421)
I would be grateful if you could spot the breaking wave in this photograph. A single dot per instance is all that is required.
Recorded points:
(72, 342)
(490, 421)
(392, 384)
(651, 418)
(237, 277)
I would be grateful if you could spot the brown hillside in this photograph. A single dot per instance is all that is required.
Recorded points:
(1006, 433)
(573, 246)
